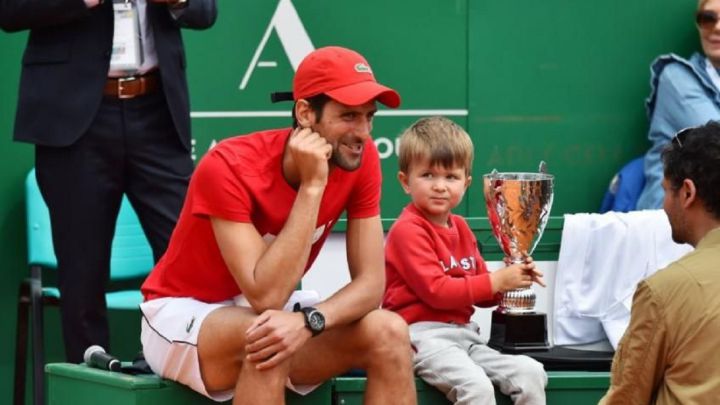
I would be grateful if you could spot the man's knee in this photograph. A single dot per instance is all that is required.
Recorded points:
(390, 326)
(388, 335)
(274, 377)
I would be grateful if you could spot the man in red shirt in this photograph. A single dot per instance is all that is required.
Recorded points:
(258, 210)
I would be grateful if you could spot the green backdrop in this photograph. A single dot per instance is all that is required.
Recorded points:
(559, 80)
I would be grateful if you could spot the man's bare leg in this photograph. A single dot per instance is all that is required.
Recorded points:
(261, 387)
(221, 349)
(390, 377)
(378, 343)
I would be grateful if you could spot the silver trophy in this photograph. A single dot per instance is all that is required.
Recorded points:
(518, 206)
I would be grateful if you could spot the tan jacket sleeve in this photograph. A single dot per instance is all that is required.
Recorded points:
(640, 360)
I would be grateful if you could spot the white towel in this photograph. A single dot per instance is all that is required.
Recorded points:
(306, 298)
(602, 258)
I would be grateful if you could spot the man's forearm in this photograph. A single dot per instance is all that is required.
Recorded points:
(366, 261)
(282, 265)
(352, 302)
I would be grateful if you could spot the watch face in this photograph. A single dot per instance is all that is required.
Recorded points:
(316, 321)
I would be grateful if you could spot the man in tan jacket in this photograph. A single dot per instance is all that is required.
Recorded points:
(669, 353)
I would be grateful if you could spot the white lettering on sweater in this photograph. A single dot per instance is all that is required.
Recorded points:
(466, 263)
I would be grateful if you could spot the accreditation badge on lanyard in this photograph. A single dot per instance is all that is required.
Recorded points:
(126, 48)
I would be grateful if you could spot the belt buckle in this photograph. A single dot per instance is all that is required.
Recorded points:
(120, 88)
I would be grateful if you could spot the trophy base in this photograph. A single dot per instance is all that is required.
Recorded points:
(514, 333)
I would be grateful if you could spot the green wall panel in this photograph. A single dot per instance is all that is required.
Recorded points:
(15, 160)
(565, 81)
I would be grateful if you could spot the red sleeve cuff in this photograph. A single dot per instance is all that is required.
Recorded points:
(481, 288)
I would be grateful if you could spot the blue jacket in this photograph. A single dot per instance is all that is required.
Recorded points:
(625, 188)
(682, 96)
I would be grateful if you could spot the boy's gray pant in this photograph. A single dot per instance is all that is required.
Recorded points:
(455, 360)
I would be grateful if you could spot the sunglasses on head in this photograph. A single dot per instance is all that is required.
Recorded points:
(706, 19)
(679, 138)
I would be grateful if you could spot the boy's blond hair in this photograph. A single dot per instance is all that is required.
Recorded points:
(439, 140)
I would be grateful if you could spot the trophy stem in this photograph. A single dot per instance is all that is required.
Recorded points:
(519, 301)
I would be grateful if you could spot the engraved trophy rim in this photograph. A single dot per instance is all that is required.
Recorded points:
(521, 176)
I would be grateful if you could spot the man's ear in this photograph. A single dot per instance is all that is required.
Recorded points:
(304, 114)
(468, 181)
(688, 193)
(403, 179)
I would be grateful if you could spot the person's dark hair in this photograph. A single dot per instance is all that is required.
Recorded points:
(694, 154)
(317, 103)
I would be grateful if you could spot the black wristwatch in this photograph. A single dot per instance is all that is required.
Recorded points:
(314, 319)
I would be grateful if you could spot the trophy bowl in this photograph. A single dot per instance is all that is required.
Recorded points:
(518, 207)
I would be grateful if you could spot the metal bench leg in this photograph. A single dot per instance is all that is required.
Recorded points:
(21, 338)
(37, 337)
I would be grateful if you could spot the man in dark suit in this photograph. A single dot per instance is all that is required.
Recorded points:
(103, 96)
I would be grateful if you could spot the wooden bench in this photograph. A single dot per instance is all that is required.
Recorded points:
(76, 384)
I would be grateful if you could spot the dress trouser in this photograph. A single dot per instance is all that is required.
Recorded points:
(131, 147)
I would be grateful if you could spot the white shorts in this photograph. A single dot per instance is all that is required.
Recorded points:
(169, 333)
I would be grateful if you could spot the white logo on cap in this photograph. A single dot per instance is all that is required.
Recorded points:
(362, 68)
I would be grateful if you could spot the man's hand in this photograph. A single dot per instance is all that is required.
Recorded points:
(173, 4)
(520, 275)
(310, 152)
(275, 336)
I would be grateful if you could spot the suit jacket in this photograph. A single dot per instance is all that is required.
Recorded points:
(65, 64)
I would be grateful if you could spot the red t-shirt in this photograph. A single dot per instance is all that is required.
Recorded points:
(241, 180)
(434, 273)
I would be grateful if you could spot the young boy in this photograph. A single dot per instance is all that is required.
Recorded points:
(435, 275)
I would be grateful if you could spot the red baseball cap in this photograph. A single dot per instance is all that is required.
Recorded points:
(343, 75)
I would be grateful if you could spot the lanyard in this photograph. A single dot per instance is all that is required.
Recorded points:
(126, 48)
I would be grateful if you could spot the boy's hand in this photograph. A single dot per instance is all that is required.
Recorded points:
(519, 275)
(534, 273)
